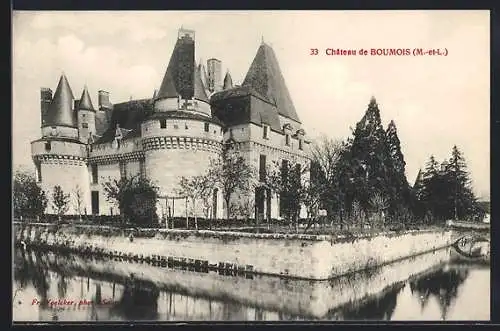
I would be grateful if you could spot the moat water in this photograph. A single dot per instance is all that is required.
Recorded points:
(53, 287)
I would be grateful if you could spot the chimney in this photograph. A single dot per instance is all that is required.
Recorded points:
(45, 100)
(104, 100)
(214, 73)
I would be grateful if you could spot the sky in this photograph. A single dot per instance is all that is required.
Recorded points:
(436, 101)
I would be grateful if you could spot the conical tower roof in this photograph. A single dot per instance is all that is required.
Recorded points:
(179, 78)
(199, 88)
(61, 108)
(228, 81)
(266, 78)
(85, 102)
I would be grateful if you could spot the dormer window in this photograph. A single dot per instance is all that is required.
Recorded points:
(265, 130)
(287, 139)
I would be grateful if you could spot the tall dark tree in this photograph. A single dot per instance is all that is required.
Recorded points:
(464, 203)
(370, 158)
(402, 198)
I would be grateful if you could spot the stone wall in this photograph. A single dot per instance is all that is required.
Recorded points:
(300, 256)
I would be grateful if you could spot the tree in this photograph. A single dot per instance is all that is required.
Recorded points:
(289, 180)
(78, 201)
(232, 174)
(371, 161)
(379, 205)
(29, 199)
(397, 174)
(198, 188)
(434, 193)
(60, 201)
(135, 197)
(325, 181)
(462, 197)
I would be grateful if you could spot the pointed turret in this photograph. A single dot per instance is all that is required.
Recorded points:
(180, 73)
(85, 102)
(199, 87)
(228, 81)
(266, 78)
(60, 112)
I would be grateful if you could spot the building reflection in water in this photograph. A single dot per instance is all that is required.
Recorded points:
(117, 297)
(443, 285)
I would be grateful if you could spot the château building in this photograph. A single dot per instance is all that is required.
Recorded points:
(172, 135)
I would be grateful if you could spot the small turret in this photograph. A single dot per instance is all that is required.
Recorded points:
(58, 116)
(86, 117)
(228, 81)
(60, 111)
(85, 101)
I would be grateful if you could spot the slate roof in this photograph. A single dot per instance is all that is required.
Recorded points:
(228, 82)
(265, 76)
(180, 76)
(85, 101)
(242, 105)
(199, 88)
(60, 110)
(129, 116)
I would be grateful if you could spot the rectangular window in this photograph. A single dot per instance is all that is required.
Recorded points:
(39, 172)
(48, 146)
(95, 178)
(264, 132)
(85, 125)
(163, 124)
(301, 142)
(123, 170)
(262, 168)
(287, 139)
(207, 127)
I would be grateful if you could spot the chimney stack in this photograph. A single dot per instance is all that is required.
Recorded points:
(104, 100)
(45, 100)
(214, 73)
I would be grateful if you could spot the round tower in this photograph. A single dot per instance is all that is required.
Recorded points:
(181, 137)
(59, 156)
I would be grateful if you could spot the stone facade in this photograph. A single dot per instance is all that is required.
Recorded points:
(173, 135)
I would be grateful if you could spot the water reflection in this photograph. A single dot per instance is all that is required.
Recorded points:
(442, 285)
(111, 290)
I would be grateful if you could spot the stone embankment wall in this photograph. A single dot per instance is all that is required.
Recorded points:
(299, 256)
